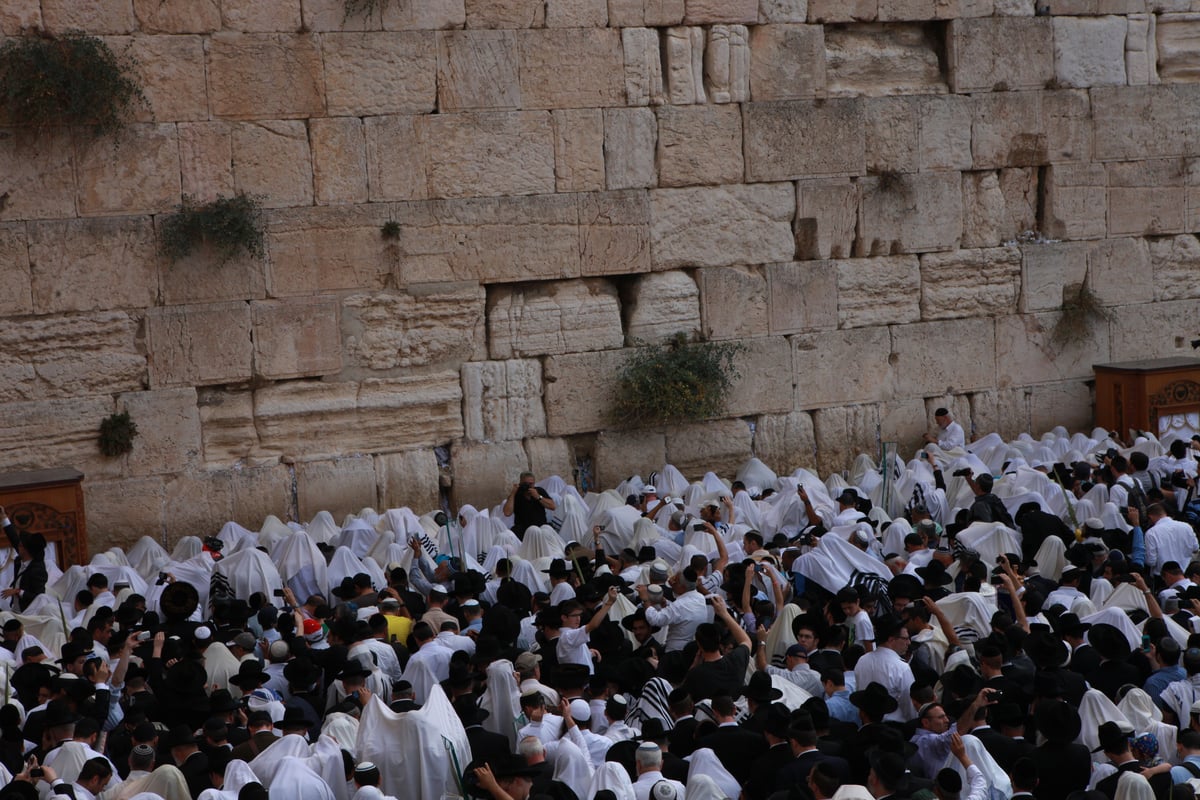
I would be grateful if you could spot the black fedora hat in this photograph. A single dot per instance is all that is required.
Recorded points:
(760, 690)
(653, 730)
(180, 736)
(1111, 737)
(1057, 720)
(934, 574)
(468, 712)
(301, 672)
(293, 720)
(346, 589)
(354, 668)
(1046, 650)
(250, 675)
(905, 585)
(639, 614)
(874, 699)
(513, 767)
(1109, 642)
(557, 569)
(58, 713)
(1068, 624)
(221, 701)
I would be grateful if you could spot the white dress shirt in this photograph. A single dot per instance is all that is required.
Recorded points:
(681, 618)
(1169, 540)
(883, 665)
(952, 436)
(646, 781)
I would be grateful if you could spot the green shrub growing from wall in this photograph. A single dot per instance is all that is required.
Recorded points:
(678, 381)
(117, 432)
(227, 225)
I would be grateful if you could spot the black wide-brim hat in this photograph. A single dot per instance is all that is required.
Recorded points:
(1057, 721)
(935, 573)
(760, 690)
(1109, 642)
(874, 699)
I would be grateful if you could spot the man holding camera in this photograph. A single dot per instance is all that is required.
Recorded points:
(527, 505)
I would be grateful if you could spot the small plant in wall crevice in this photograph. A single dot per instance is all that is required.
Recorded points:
(678, 381)
(228, 225)
(117, 432)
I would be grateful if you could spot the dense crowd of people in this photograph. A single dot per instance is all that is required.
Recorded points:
(987, 620)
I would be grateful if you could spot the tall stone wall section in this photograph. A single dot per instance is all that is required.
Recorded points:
(882, 200)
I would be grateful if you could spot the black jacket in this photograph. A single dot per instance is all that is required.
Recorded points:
(736, 748)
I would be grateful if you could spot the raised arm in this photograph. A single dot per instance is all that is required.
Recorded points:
(739, 633)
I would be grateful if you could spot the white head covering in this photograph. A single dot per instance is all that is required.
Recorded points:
(703, 787)
(573, 767)
(705, 762)
(612, 776)
(1132, 786)
(502, 701)
(296, 780)
(322, 528)
(1094, 710)
(167, 782)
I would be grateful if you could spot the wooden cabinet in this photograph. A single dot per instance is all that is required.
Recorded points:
(49, 502)
(1139, 394)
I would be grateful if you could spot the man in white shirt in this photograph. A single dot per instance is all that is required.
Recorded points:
(431, 656)
(648, 760)
(561, 589)
(1167, 540)
(950, 434)
(681, 617)
(884, 666)
(529, 677)
(573, 640)
(1068, 590)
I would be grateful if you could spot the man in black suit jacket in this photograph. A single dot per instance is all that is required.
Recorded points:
(776, 719)
(1005, 738)
(734, 746)
(187, 756)
(485, 745)
(1024, 777)
(802, 741)
(1115, 745)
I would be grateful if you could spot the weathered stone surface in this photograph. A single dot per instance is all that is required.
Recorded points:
(307, 419)
(477, 70)
(1005, 411)
(101, 17)
(1146, 197)
(878, 59)
(502, 400)
(803, 139)
(629, 144)
(484, 474)
(16, 289)
(424, 15)
(722, 225)
(70, 355)
(339, 149)
(614, 233)
(430, 326)
(205, 160)
(842, 433)
(1138, 122)
(340, 486)
(120, 512)
(661, 305)
(1067, 404)
(177, 16)
(878, 291)
(324, 249)
(903, 422)
(621, 453)
(643, 66)
(945, 132)
(706, 12)
(720, 446)
(652, 13)
(296, 338)
(505, 13)
(970, 283)
(196, 504)
(72, 264)
(256, 76)
(199, 344)
(699, 145)
(1007, 130)
(57, 431)
(1076, 201)
(261, 491)
(481, 154)
(826, 218)
(1000, 53)
(842, 10)
(168, 437)
(1019, 189)
(408, 479)
(786, 442)
(576, 13)
(136, 174)
(1048, 269)
(801, 296)
(727, 64)
(1141, 50)
(1137, 330)
(892, 134)
(227, 426)
(551, 456)
(1028, 352)
(1119, 271)
(787, 62)
(683, 60)
(909, 214)
(578, 390)
(983, 209)
(396, 165)
(1176, 264)
(272, 161)
(782, 10)
(571, 68)
(380, 73)
(765, 385)
(171, 71)
(251, 16)
(38, 177)
(578, 149)
(553, 318)
(733, 302)
(950, 356)
(1090, 51)
(835, 367)
(20, 16)
(1177, 44)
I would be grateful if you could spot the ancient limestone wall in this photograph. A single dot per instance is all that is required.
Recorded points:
(883, 200)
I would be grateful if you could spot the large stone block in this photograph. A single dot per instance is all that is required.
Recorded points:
(629, 145)
(177, 16)
(135, 174)
(947, 357)
(614, 233)
(38, 176)
(970, 283)
(983, 210)
(88, 264)
(1067, 404)
(505, 13)
(945, 130)
(707, 12)
(396, 164)
(828, 11)
(1029, 352)
(661, 305)
(261, 491)
(643, 66)
(408, 479)
(205, 160)
(196, 504)
(1140, 122)
(787, 62)
(1119, 272)
(227, 426)
(892, 134)
(1177, 44)
(833, 367)
(722, 225)
(424, 15)
(272, 161)
(309, 419)
(652, 13)
(826, 218)
(1137, 330)
(502, 400)
(257, 76)
(878, 59)
(553, 318)
(430, 326)
(699, 145)
(801, 296)
(325, 249)
(482, 154)
(48, 433)
(168, 437)
(1075, 198)
(340, 486)
(171, 71)
(578, 390)
(683, 65)
(119, 512)
(380, 73)
(551, 456)
(719, 446)
(1007, 130)
(1046, 270)
(578, 149)
(803, 139)
(20, 16)
(251, 16)
(296, 338)
(1090, 51)
(571, 68)
(903, 422)
(16, 287)
(71, 355)
(1005, 411)
(1000, 53)
(1141, 50)
(764, 384)
(484, 474)
(339, 149)
(733, 302)
(621, 453)
(100, 17)
(782, 11)
(786, 442)
(844, 433)
(477, 70)
(576, 13)
(199, 344)
(909, 214)
(878, 291)
(1147, 197)
(1176, 264)
(727, 64)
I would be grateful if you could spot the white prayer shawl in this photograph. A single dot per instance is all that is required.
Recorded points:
(1127, 597)
(477, 535)
(573, 767)
(76, 577)
(502, 701)
(574, 521)
(671, 481)
(400, 521)
(322, 529)
(541, 541)
(1100, 591)
(834, 563)
(297, 557)
(268, 762)
(42, 630)
(1110, 515)
(236, 538)
(893, 537)
(611, 776)
(344, 564)
(67, 761)
(604, 503)
(554, 486)
(1146, 717)
(705, 762)
(221, 665)
(780, 636)
(990, 540)
(237, 775)
(1097, 495)
(969, 611)
(264, 700)
(147, 557)
(296, 780)
(793, 697)
(991, 450)
(1094, 710)
(1051, 557)
(998, 782)
(186, 548)
(746, 511)
(409, 749)
(702, 787)
(250, 571)
(753, 473)
(166, 782)
(359, 536)
(1119, 620)
(371, 793)
(534, 580)
(343, 729)
(1133, 786)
